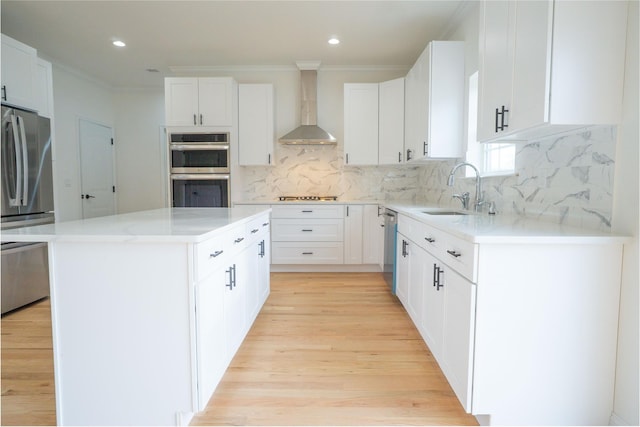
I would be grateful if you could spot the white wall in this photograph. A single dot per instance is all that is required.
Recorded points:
(140, 150)
(75, 97)
(625, 220)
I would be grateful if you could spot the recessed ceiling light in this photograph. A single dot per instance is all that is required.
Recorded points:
(334, 40)
(119, 43)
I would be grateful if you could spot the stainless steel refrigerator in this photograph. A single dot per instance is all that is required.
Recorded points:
(27, 199)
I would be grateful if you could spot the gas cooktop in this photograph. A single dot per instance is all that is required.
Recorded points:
(308, 198)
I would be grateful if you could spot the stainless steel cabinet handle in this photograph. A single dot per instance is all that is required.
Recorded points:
(238, 240)
(215, 254)
(454, 253)
(307, 253)
(230, 284)
(194, 120)
(264, 224)
(307, 211)
(430, 239)
(307, 229)
(255, 230)
(439, 283)
(200, 118)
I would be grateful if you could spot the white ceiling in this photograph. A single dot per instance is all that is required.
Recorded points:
(166, 34)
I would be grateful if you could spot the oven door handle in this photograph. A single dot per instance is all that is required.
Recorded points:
(199, 147)
(211, 176)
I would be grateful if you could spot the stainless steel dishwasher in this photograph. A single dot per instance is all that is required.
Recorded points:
(390, 227)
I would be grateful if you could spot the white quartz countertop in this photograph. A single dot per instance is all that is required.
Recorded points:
(504, 229)
(186, 225)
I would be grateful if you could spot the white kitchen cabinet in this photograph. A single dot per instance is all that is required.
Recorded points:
(549, 66)
(203, 101)
(402, 267)
(255, 124)
(237, 277)
(210, 333)
(44, 89)
(19, 74)
(373, 236)
(510, 314)
(458, 324)
(257, 273)
(361, 123)
(353, 234)
(434, 103)
(307, 234)
(391, 122)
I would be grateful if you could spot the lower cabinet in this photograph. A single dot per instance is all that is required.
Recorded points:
(457, 331)
(228, 299)
(506, 321)
(210, 336)
(441, 303)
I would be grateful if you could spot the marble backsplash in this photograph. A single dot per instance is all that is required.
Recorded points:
(564, 179)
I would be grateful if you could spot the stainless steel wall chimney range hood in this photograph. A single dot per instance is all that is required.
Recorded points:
(308, 133)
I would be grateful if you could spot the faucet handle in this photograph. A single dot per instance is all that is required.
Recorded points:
(464, 198)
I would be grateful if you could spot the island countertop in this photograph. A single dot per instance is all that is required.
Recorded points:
(187, 225)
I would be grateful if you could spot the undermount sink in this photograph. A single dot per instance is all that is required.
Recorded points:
(443, 212)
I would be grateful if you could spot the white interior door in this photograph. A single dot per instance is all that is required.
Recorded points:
(97, 180)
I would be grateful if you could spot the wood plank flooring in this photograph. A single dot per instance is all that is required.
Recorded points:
(327, 349)
(333, 349)
(28, 391)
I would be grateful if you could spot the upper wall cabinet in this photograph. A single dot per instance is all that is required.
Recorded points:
(391, 122)
(193, 101)
(549, 66)
(434, 103)
(374, 122)
(44, 81)
(361, 123)
(19, 74)
(255, 124)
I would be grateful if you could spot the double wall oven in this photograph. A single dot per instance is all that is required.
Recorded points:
(199, 169)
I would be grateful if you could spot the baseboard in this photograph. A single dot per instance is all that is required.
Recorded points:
(325, 268)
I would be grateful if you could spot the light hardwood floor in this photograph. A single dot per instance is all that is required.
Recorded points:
(327, 349)
(28, 394)
(333, 349)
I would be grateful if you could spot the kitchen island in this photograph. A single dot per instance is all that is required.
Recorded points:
(149, 308)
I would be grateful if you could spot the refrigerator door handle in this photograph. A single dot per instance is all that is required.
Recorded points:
(18, 152)
(25, 163)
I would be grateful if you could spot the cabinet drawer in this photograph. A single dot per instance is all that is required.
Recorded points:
(308, 230)
(306, 253)
(257, 227)
(307, 211)
(211, 253)
(460, 255)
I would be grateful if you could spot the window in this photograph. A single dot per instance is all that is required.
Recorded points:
(489, 158)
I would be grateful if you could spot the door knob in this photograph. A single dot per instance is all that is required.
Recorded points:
(87, 196)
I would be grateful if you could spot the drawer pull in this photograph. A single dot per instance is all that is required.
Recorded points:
(307, 253)
(454, 253)
(215, 254)
(255, 230)
(238, 240)
(307, 229)
(307, 211)
(264, 224)
(430, 239)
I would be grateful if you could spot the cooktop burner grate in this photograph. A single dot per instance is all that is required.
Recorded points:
(308, 198)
